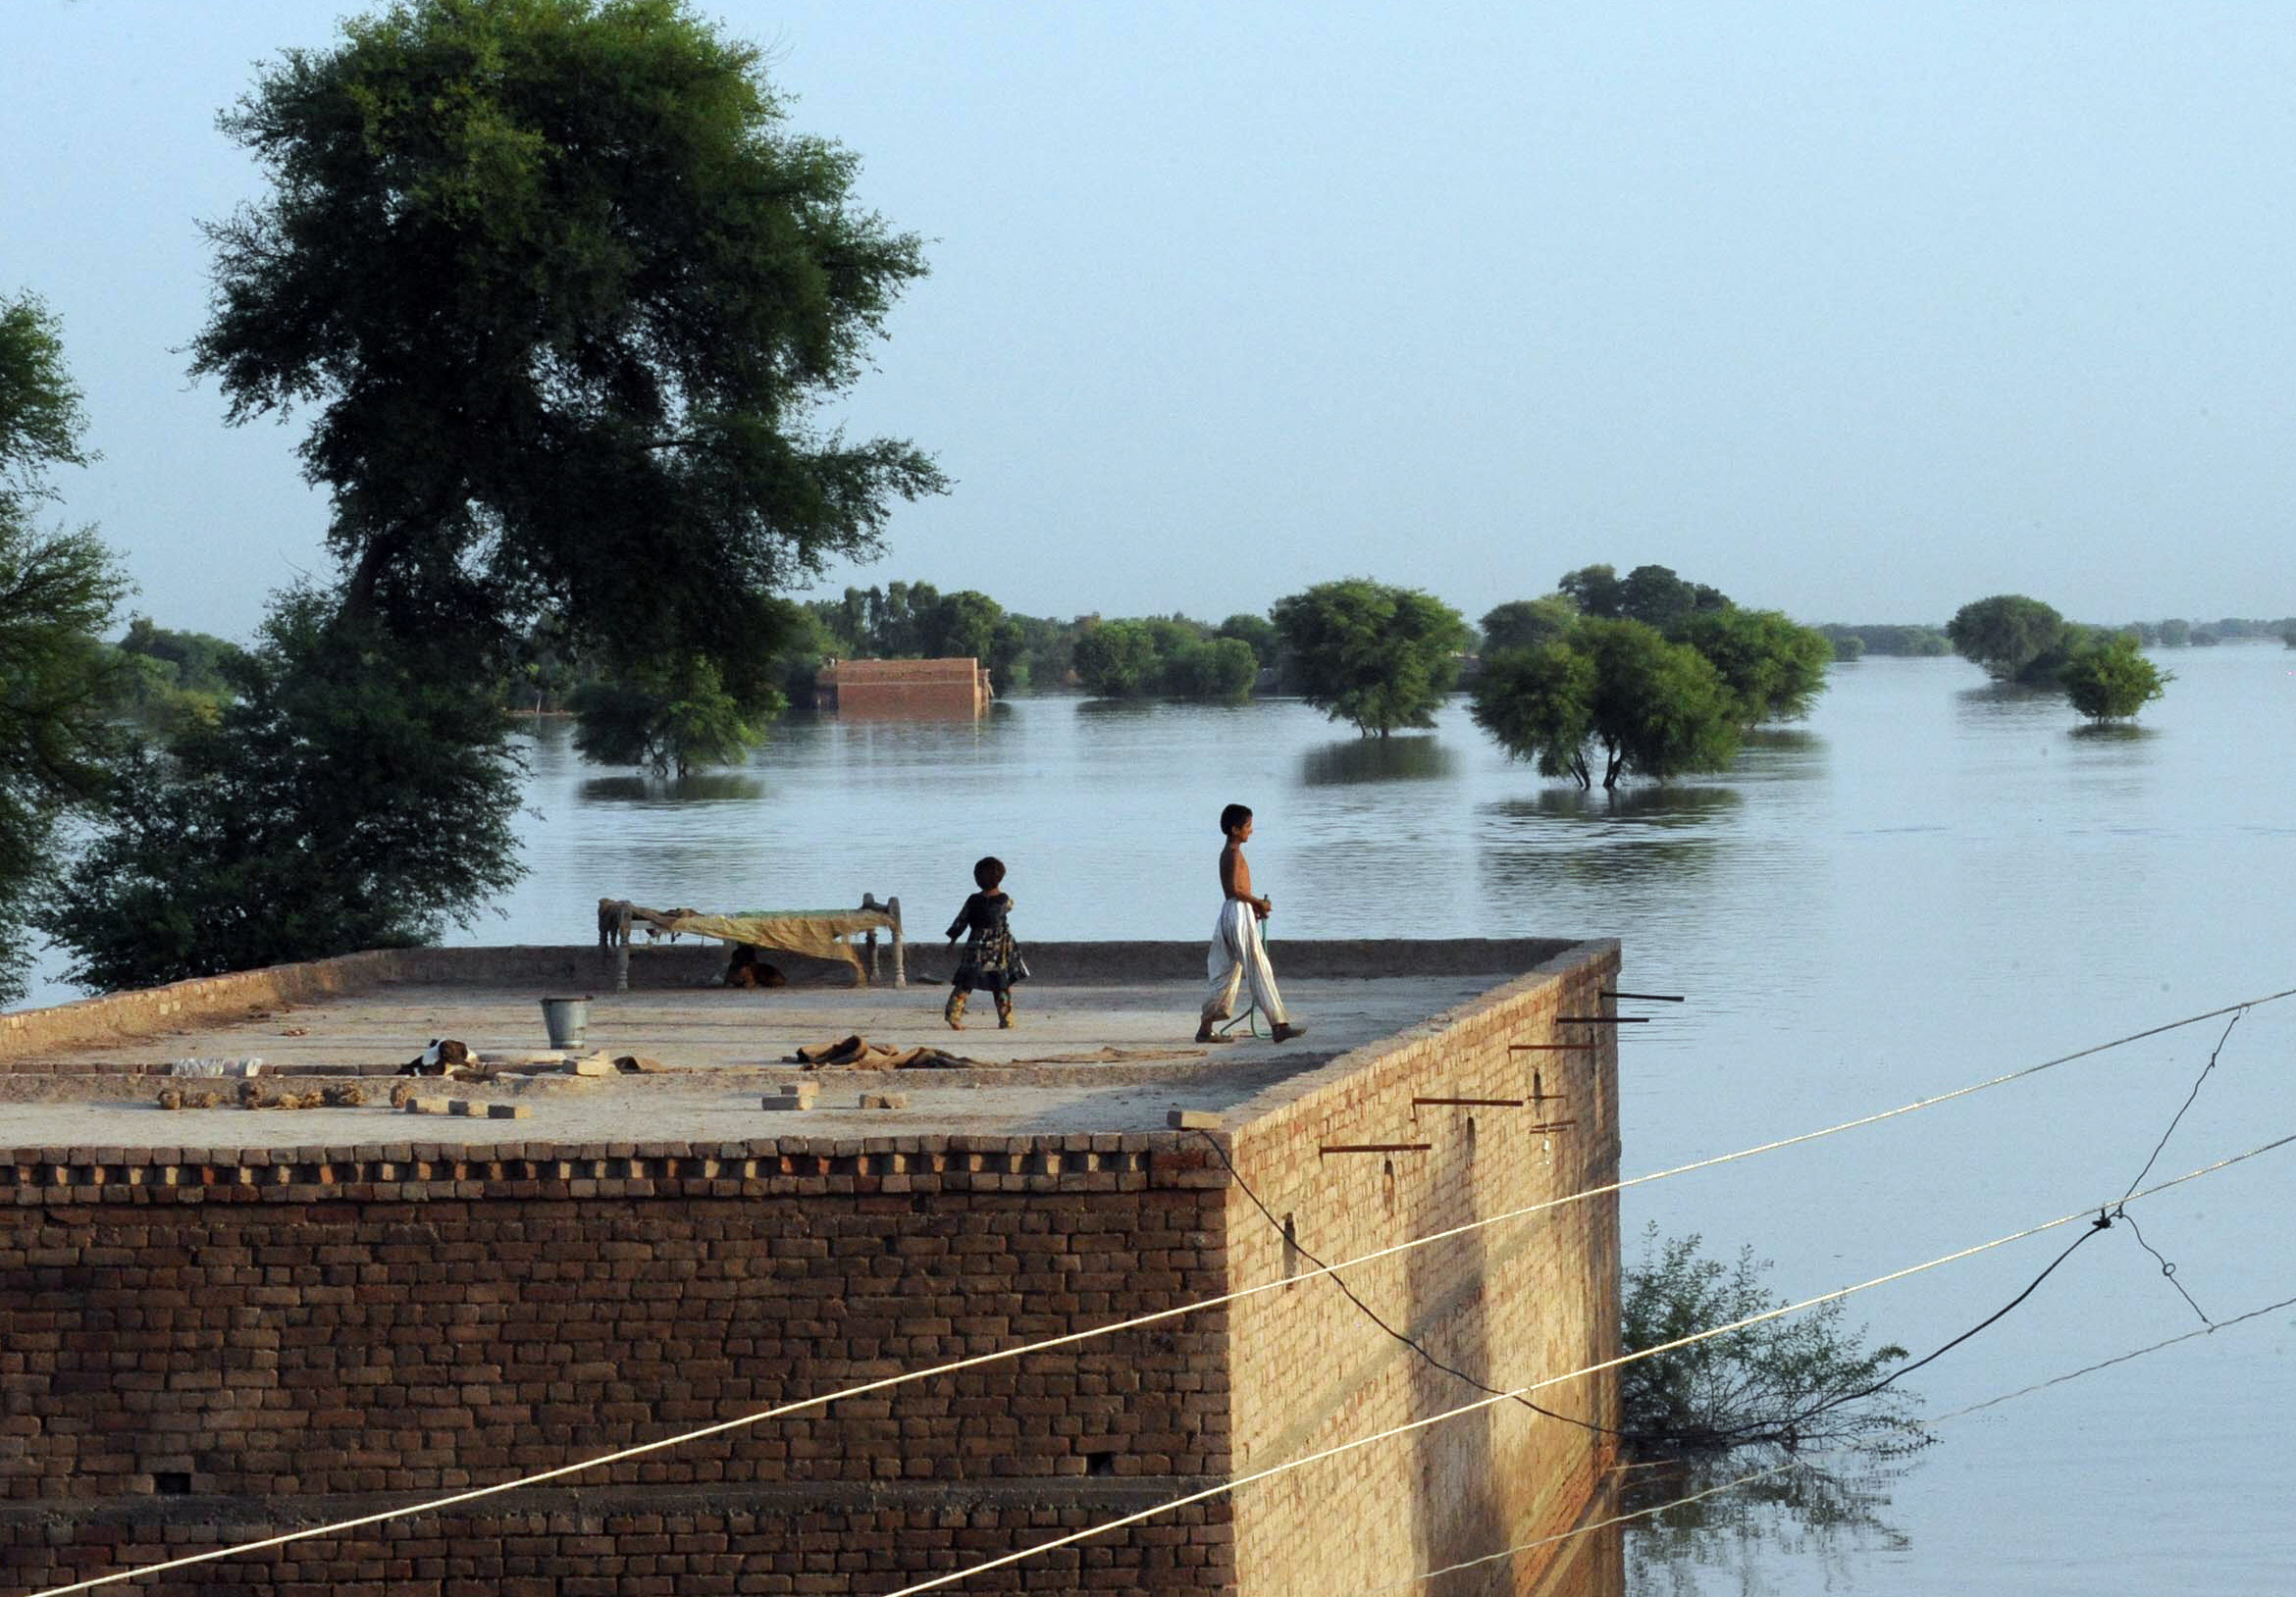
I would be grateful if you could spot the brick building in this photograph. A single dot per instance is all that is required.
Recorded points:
(201, 1344)
(923, 690)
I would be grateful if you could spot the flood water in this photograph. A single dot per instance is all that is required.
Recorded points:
(1930, 882)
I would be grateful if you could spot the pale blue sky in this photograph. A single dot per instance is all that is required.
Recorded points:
(1857, 310)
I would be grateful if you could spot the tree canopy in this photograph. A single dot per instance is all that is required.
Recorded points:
(57, 589)
(1774, 667)
(566, 296)
(1520, 622)
(1380, 656)
(1652, 594)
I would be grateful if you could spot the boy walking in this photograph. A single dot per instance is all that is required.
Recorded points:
(1237, 955)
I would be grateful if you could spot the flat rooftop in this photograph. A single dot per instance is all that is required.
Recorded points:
(1087, 1055)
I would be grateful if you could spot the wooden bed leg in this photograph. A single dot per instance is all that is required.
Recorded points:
(900, 966)
(622, 953)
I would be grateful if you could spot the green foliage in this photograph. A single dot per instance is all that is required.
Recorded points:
(1592, 590)
(169, 680)
(1522, 623)
(57, 594)
(1795, 1380)
(2175, 633)
(1774, 668)
(1854, 643)
(566, 298)
(1255, 631)
(1380, 656)
(1162, 656)
(57, 686)
(357, 793)
(1117, 659)
(1654, 708)
(2107, 680)
(1220, 668)
(1652, 594)
(1537, 699)
(2014, 638)
(42, 419)
(670, 718)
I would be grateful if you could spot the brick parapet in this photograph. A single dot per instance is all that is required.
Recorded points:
(1071, 1163)
(41, 1039)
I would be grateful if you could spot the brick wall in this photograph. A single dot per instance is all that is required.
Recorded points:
(192, 1339)
(1508, 1304)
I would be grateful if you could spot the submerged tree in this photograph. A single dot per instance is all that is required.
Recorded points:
(1615, 693)
(1362, 651)
(2109, 680)
(2014, 638)
(1798, 1380)
(671, 718)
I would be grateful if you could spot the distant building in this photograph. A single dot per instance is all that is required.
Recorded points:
(923, 690)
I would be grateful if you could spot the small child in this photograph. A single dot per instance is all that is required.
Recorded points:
(1237, 953)
(992, 959)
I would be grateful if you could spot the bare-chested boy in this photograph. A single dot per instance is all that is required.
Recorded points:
(1237, 953)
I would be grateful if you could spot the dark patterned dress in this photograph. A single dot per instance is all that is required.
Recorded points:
(992, 959)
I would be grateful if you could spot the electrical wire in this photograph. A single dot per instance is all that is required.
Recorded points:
(1238, 1482)
(1135, 1323)
(1811, 1461)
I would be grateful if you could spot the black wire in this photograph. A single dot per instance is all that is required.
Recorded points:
(1291, 1239)
(2120, 1210)
(2167, 1268)
(2102, 1223)
(2189, 1098)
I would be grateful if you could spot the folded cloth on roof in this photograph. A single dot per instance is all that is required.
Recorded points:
(858, 1053)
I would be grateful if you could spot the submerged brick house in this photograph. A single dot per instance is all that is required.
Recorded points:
(957, 688)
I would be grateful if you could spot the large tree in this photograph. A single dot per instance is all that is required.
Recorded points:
(1362, 651)
(57, 588)
(567, 296)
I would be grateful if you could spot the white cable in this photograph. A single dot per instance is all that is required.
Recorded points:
(1136, 1322)
(1409, 1427)
(1806, 1460)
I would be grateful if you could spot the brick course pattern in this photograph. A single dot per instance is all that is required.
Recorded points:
(200, 1344)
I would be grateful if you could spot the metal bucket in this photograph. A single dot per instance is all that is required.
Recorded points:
(568, 1020)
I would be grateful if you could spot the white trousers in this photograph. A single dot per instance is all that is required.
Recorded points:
(1237, 956)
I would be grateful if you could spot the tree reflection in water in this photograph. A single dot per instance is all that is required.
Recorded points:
(1378, 759)
(1735, 1540)
(693, 788)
